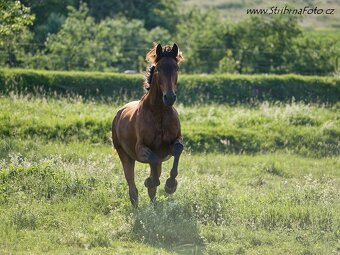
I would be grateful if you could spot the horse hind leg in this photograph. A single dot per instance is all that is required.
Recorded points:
(129, 169)
(130, 178)
(129, 172)
(171, 183)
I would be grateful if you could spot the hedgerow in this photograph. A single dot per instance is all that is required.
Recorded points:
(192, 89)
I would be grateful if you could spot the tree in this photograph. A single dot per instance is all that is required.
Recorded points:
(275, 45)
(84, 44)
(154, 13)
(52, 25)
(163, 13)
(15, 17)
(310, 56)
(260, 44)
(14, 21)
(199, 34)
(49, 16)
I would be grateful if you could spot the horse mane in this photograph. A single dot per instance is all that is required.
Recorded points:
(148, 77)
(152, 58)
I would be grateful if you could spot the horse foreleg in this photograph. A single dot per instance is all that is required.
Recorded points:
(144, 154)
(171, 182)
(155, 173)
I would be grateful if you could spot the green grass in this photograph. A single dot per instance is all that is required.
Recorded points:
(62, 188)
(66, 200)
(310, 130)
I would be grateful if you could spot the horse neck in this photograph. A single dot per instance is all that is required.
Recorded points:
(154, 96)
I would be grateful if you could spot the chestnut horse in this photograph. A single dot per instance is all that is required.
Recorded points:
(149, 130)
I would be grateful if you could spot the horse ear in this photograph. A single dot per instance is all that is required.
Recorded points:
(175, 49)
(159, 50)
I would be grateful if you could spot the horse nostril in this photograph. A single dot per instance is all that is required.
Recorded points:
(169, 98)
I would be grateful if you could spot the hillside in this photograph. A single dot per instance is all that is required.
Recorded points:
(236, 10)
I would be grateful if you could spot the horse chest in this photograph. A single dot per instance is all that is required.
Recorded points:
(160, 132)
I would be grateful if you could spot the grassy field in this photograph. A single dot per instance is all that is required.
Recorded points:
(309, 130)
(62, 190)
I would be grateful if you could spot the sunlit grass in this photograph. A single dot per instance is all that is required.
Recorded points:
(63, 191)
(224, 203)
(307, 129)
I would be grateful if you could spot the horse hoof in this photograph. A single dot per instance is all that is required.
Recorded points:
(153, 202)
(170, 185)
(151, 183)
(133, 194)
(134, 203)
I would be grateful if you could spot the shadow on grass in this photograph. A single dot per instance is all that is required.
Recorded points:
(170, 225)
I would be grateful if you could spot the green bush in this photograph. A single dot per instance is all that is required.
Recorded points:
(191, 88)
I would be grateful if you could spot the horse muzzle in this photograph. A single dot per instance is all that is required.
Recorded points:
(169, 98)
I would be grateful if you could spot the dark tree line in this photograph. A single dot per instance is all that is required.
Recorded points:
(114, 36)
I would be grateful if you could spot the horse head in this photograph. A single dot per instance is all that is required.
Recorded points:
(165, 70)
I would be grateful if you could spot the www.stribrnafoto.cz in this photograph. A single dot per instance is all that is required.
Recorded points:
(291, 11)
